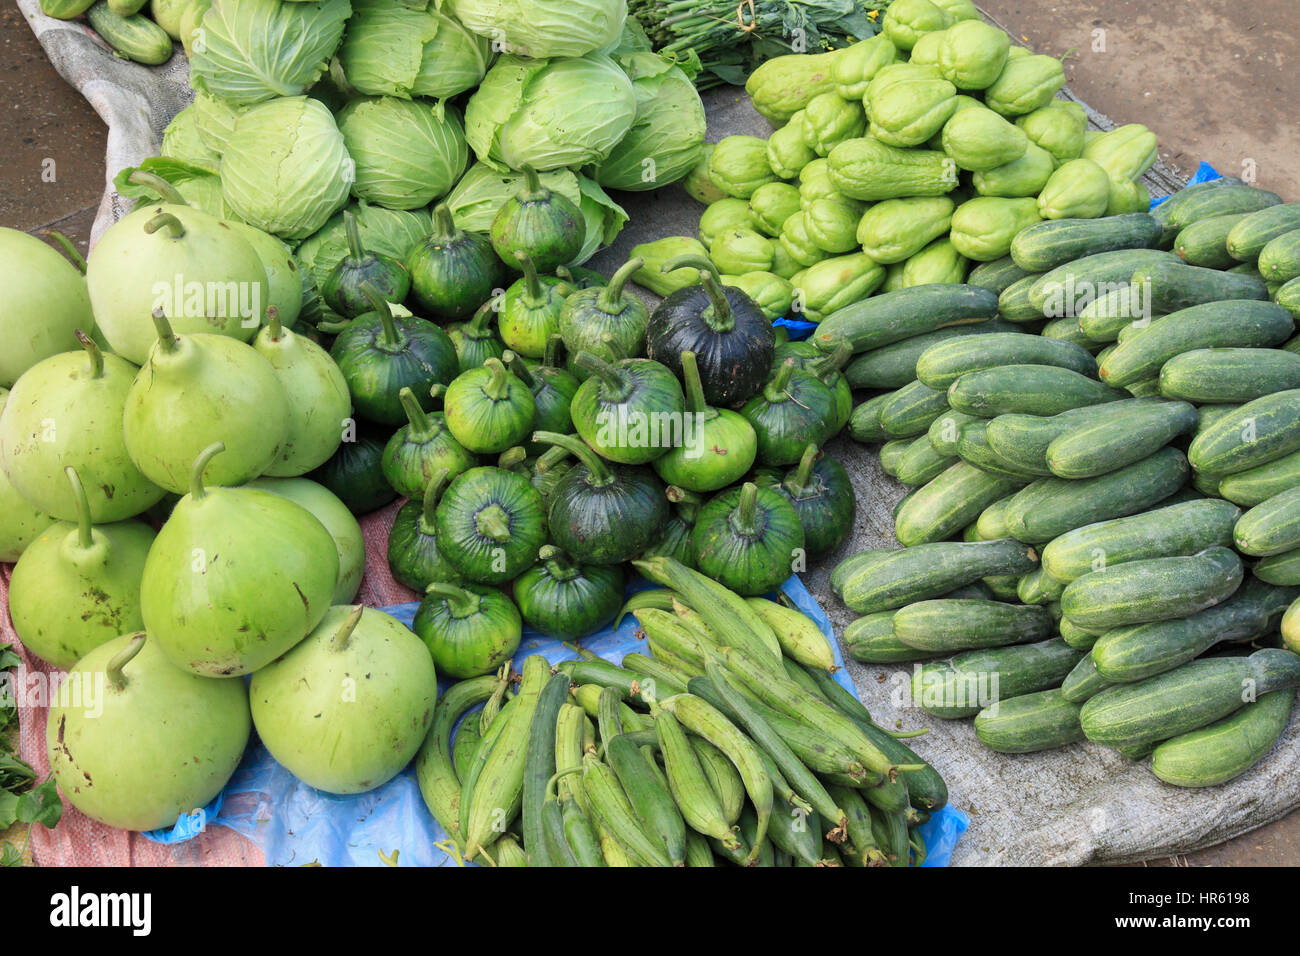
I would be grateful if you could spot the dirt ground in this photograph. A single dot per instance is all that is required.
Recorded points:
(1213, 80)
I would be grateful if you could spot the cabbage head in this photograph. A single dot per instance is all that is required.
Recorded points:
(394, 50)
(666, 137)
(286, 169)
(392, 232)
(407, 152)
(550, 113)
(544, 28)
(181, 140)
(214, 121)
(255, 50)
(483, 190)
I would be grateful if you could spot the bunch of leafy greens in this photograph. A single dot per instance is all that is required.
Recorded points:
(20, 800)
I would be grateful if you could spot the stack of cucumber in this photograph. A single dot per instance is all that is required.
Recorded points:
(729, 742)
(1102, 436)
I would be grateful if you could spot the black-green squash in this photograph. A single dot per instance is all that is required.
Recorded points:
(453, 272)
(793, 409)
(567, 600)
(341, 288)
(748, 539)
(822, 495)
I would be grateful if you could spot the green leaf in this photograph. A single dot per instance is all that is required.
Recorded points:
(14, 772)
(10, 856)
(8, 809)
(8, 658)
(41, 805)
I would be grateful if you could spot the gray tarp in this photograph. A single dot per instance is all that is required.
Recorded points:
(1082, 804)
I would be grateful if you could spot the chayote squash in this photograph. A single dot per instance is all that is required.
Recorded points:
(832, 223)
(815, 182)
(1025, 84)
(697, 183)
(718, 217)
(926, 51)
(783, 85)
(1127, 195)
(938, 263)
(737, 251)
(787, 153)
(1021, 177)
(973, 54)
(1079, 189)
(738, 165)
(866, 168)
(895, 229)
(1058, 128)
(770, 292)
(834, 283)
(1125, 152)
(853, 67)
(893, 277)
(829, 119)
(958, 10)
(783, 264)
(982, 228)
(771, 205)
(964, 102)
(981, 139)
(654, 255)
(798, 244)
(906, 21)
(908, 104)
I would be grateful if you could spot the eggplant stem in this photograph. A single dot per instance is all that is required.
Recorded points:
(461, 602)
(432, 492)
(92, 352)
(493, 522)
(421, 426)
(444, 226)
(123, 657)
(610, 298)
(343, 635)
(744, 516)
(356, 251)
(601, 475)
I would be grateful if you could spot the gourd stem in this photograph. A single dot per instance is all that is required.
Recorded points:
(421, 427)
(497, 387)
(379, 305)
(461, 602)
(548, 459)
(601, 476)
(797, 481)
(679, 495)
(356, 251)
(274, 324)
(554, 346)
(558, 564)
(610, 376)
(165, 220)
(512, 458)
(519, 369)
(694, 387)
(70, 251)
(332, 328)
(744, 516)
(610, 299)
(775, 390)
(197, 491)
(123, 657)
(432, 492)
(85, 531)
(168, 192)
(833, 361)
(533, 190)
(718, 315)
(477, 327)
(166, 337)
(343, 635)
(493, 522)
(444, 227)
(533, 294)
(92, 352)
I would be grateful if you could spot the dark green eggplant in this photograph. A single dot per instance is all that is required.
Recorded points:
(567, 600)
(827, 366)
(453, 272)
(341, 289)
(540, 222)
(822, 495)
(731, 337)
(355, 473)
(676, 542)
(475, 341)
(413, 555)
(591, 314)
(530, 310)
(552, 389)
(718, 445)
(793, 409)
(470, 630)
(488, 409)
(421, 448)
(601, 513)
(490, 524)
(623, 409)
(543, 472)
(748, 539)
(380, 354)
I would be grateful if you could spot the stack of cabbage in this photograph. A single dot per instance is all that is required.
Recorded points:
(302, 109)
(899, 160)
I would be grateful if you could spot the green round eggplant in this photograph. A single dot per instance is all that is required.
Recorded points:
(488, 409)
(421, 448)
(530, 310)
(793, 409)
(490, 523)
(567, 600)
(453, 272)
(341, 289)
(748, 539)
(552, 389)
(676, 541)
(589, 315)
(355, 472)
(718, 447)
(623, 409)
(827, 366)
(822, 495)
(539, 222)
(413, 555)
(475, 341)
(603, 514)
(469, 629)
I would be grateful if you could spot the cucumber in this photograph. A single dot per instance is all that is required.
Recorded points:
(1040, 721)
(894, 316)
(842, 571)
(996, 275)
(891, 452)
(1127, 654)
(1249, 237)
(1027, 389)
(920, 463)
(1219, 376)
(944, 625)
(1075, 636)
(1204, 200)
(942, 364)
(1107, 316)
(1227, 748)
(1147, 388)
(1003, 586)
(65, 9)
(1205, 242)
(1288, 297)
(1039, 587)
(910, 410)
(1022, 440)
(948, 503)
(871, 639)
(1066, 289)
(1177, 529)
(1239, 324)
(1256, 485)
(1067, 330)
(894, 365)
(1271, 527)
(1155, 589)
(1013, 301)
(1186, 698)
(864, 423)
(966, 683)
(1171, 286)
(973, 448)
(991, 524)
(1112, 441)
(135, 37)
(1279, 569)
(1253, 434)
(1050, 507)
(945, 431)
(1209, 414)
(1083, 682)
(1279, 261)
(928, 571)
(1054, 242)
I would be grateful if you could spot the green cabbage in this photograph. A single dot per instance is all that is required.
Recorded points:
(286, 169)
(181, 140)
(407, 152)
(391, 232)
(198, 185)
(214, 121)
(550, 113)
(667, 136)
(544, 28)
(254, 50)
(394, 50)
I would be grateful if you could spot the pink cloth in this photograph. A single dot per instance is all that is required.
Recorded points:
(80, 841)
